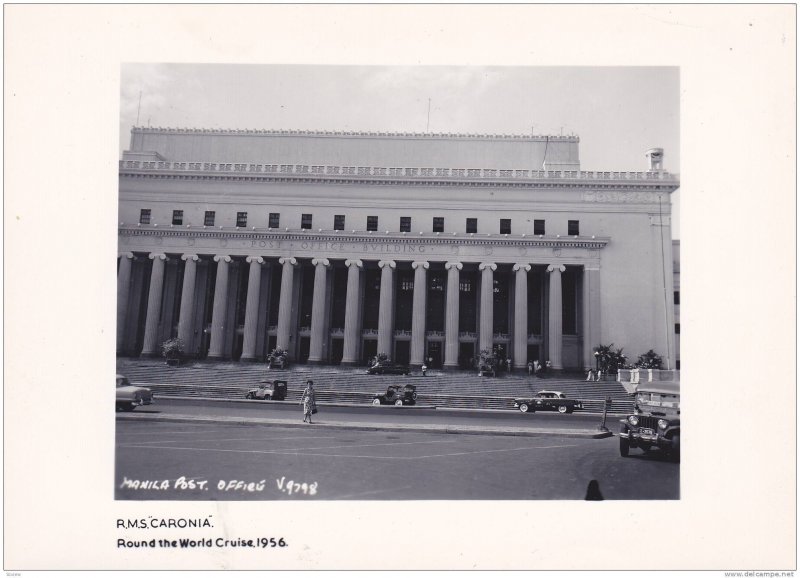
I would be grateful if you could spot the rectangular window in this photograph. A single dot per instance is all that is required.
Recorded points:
(538, 227)
(241, 219)
(438, 224)
(305, 221)
(144, 216)
(573, 228)
(177, 217)
(274, 220)
(505, 226)
(372, 223)
(677, 329)
(405, 224)
(209, 218)
(472, 225)
(676, 296)
(338, 222)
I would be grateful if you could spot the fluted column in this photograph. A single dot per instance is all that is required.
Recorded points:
(486, 339)
(151, 345)
(418, 312)
(451, 317)
(185, 317)
(386, 308)
(123, 294)
(591, 313)
(351, 320)
(251, 309)
(521, 315)
(554, 325)
(219, 312)
(318, 309)
(285, 308)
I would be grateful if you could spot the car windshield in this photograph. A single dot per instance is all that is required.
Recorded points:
(122, 381)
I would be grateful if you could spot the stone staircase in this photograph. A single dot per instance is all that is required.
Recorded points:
(451, 389)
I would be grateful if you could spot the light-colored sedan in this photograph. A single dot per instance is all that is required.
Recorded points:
(130, 396)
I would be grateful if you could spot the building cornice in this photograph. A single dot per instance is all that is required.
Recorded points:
(397, 176)
(323, 236)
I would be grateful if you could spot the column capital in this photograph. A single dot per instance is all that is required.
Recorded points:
(492, 266)
(291, 260)
(219, 258)
(161, 256)
(321, 261)
(417, 264)
(188, 257)
(554, 266)
(255, 259)
(522, 266)
(354, 262)
(383, 264)
(452, 264)
(126, 255)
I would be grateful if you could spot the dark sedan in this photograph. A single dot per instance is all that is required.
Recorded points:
(547, 401)
(389, 369)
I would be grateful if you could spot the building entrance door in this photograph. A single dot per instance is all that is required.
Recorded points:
(337, 351)
(402, 352)
(466, 351)
(305, 348)
(434, 354)
(370, 350)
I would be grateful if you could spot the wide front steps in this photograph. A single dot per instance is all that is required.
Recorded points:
(456, 389)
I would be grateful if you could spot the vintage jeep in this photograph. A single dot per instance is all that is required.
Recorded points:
(269, 390)
(655, 422)
(396, 395)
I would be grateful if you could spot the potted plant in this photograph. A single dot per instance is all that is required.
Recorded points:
(649, 360)
(278, 359)
(487, 364)
(172, 350)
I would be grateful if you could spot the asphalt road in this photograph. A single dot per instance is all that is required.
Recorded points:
(159, 460)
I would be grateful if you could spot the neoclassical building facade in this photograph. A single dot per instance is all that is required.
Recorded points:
(426, 247)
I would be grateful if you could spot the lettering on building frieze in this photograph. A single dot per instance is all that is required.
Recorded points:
(620, 197)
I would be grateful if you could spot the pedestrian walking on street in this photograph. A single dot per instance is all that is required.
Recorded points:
(309, 402)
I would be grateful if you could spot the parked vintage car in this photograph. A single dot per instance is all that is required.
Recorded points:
(396, 395)
(269, 390)
(655, 422)
(547, 401)
(389, 369)
(131, 396)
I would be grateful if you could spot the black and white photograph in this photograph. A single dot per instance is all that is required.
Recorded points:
(400, 288)
(440, 256)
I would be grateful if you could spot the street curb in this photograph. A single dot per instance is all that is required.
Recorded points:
(445, 429)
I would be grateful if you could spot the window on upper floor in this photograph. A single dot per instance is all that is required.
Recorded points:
(573, 228)
(505, 226)
(338, 222)
(676, 297)
(274, 220)
(677, 329)
(538, 227)
(438, 224)
(405, 224)
(472, 225)
(177, 217)
(144, 216)
(208, 221)
(372, 223)
(305, 221)
(241, 219)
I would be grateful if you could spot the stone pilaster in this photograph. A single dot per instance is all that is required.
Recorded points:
(386, 308)
(352, 325)
(418, 312)
(486, 338)
(318, 309)
(123, 295)
(219, 312)
(251, 309)
(185, 317)
(451, 316)
(521, 315)
(591, 313)
(554, 326)
(151, 345)
(285, 308)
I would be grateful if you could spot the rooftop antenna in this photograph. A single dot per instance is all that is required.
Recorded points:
(139, 108)
(428, 128)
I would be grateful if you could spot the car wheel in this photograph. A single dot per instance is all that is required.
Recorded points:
(624, 446)
(267, 397)
(376, 401)
(249, 396)
(523, 407)
(562, 409)
(414, 396)
(399, 402)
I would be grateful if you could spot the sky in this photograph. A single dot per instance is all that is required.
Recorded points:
(618, 112)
